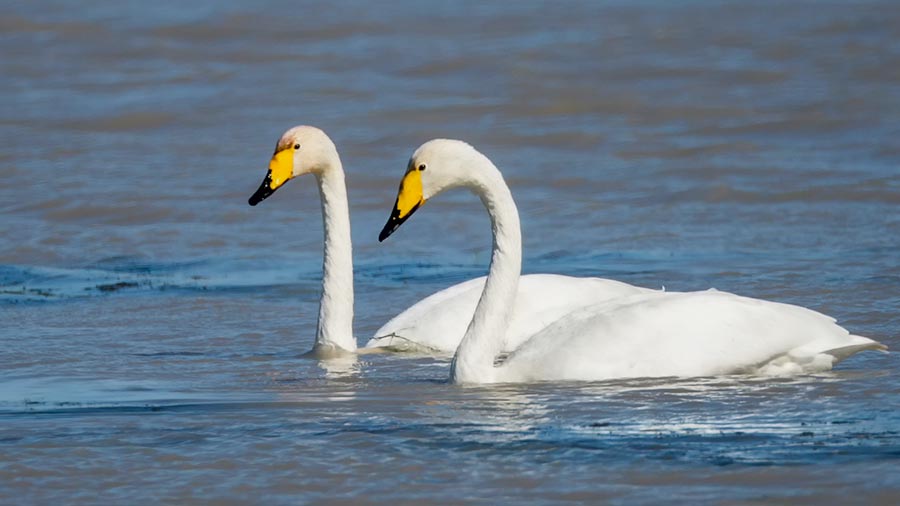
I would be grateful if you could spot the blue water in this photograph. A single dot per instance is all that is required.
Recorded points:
(152, 325)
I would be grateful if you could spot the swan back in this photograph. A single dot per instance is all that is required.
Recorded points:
(437, 323)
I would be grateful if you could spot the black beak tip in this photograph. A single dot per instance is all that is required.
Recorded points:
(262, 192)
(388, 229)
(395, 221)
(258, 197)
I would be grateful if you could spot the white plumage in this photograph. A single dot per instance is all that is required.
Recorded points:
(620, 331)
(438, 322)
(682, 334)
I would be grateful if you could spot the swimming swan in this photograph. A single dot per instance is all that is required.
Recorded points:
(435, 324)
(645, 334)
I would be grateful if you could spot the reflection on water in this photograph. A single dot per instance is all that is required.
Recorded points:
(152, 325)
(346, 366)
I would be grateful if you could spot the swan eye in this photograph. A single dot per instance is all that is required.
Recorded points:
(296, 146)
(422, 166)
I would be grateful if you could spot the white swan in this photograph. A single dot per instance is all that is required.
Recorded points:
(307, 150)
(435, 324)
(645, 334)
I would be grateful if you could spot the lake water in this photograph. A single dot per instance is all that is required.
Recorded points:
(151, 323)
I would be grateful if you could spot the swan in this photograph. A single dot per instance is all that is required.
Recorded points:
(434, 325)
(646, 333)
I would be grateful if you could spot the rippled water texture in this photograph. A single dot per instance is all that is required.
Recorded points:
(151, 323)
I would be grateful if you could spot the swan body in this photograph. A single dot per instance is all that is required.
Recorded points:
(436, 324)
(640, 333)
(706, 333)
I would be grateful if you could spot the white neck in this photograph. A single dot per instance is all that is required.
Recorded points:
(483, 341)
(335, 328)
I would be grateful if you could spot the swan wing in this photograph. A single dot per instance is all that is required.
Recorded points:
(435, 324)
(682, 334)
(438, 322)
(545, 298)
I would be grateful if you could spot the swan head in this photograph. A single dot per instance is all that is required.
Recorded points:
(437, 165)
(301, 150)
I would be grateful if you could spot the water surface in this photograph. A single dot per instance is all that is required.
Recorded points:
(153, 323)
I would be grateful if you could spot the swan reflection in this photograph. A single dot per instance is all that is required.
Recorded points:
(344, 366)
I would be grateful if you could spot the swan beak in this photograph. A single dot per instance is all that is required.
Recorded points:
(409, 198)
(281, 170)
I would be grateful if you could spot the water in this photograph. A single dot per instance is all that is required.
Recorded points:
(152, 322)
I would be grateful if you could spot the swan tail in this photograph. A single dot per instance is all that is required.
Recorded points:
(815, 359)
(859, 344)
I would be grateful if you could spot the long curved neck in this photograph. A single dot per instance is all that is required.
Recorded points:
(484, 339)
(335, 327)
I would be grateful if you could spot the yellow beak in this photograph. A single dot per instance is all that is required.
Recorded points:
(281, 170)
(409, 198)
